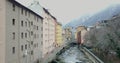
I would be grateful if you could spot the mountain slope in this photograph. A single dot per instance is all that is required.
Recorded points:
(89, 20)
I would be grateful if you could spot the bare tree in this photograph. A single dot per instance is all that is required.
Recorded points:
(107, 37)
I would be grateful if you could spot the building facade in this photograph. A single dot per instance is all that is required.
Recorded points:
(80, 33)
(49, 29)
(68, 33)
(49, 33)
(59, 38)
(20, 40)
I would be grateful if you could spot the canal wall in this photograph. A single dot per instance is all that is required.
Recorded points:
(52, 56)
(91, 56)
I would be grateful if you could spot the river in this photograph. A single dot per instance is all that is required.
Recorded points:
(73, 55)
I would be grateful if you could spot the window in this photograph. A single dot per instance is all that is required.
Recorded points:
(31, 32)
(31, 23)
(35, 45)
(47, 53)
(13, 7)
(25, 35)
(21, 47)
(13, 50)
(26, 46)
(31, 42)
(21, 10)
(21, 23)
(32, 52)
(13, 35)
(22, 35)
(37, 27)
(13, 21)
(26, 24)
(26, 13)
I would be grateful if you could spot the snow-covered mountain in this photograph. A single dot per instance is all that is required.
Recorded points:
(89, 20)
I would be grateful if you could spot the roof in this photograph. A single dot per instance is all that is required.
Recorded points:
(37, 8)
(53, 17)
(22, 6)
(46, 11)
(59, 23)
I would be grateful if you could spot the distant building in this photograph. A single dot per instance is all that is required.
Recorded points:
(68, 33)
(80, 33)
(90, 28)
(101, 24)
(21, 31)
(59, 34)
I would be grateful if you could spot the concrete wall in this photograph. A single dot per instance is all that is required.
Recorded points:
(10, 29)
(2, 30)
(45, 36)
(51, 34)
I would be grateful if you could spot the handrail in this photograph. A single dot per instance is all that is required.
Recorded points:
(89, 53)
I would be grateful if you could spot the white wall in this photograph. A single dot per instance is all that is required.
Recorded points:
(2, 30)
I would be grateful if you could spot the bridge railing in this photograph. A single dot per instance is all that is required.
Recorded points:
(91, 56)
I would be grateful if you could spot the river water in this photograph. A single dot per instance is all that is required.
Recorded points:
(74, 55)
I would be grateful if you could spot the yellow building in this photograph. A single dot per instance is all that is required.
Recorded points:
(59, 34)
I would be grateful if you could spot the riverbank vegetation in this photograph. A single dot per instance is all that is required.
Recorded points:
(105, 40)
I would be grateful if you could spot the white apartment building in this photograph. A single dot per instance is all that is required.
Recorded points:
(48, 29)
(48, 33)
(21, 33)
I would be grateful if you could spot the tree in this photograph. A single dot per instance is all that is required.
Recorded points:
(107, 37)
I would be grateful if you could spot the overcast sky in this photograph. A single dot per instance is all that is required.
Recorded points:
(67, 10)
